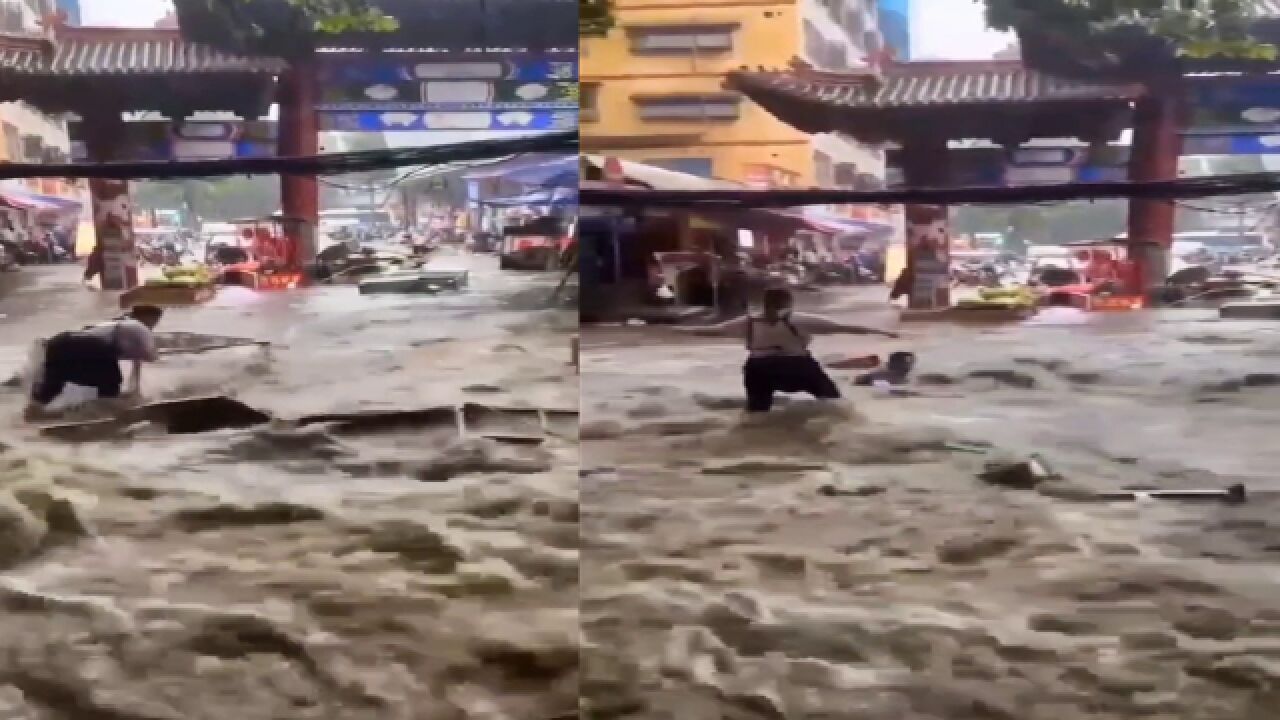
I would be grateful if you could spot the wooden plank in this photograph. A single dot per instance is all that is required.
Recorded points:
(1261, 310)
(182, 416)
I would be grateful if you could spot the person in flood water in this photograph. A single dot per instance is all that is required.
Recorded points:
(778, 357)
(93, 266)
(91, 357)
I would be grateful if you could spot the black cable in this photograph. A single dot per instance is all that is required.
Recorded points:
(1162, 190)
(333, 164)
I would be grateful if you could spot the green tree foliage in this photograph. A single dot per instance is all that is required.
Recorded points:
(1045, 224)
(283, 28)
(1198, 28)
(220, 200)
(335, 17)
(595, 17)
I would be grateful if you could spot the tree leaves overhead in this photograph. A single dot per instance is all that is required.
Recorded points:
(1198, 29)
(283, 28)
(595, 17)
(334, 17)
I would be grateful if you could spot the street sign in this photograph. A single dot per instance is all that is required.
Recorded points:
(397, 82)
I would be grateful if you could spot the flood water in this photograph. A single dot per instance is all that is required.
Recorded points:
(847, 562)
(825, 562)
(284, 572)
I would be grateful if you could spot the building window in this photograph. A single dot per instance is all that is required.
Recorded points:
(12, 17)
(715, 106)
(589, 104)
(868, 182)
(823, 170)
(32, 148)
(873, 43)
(12, 143)
(681, 39)
(821, 53)
(854, 22)
(700, 167)
(846, 175)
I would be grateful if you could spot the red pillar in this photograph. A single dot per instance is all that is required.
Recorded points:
(925, 164)
(299, 135)
(1157, 145)
(112, 206)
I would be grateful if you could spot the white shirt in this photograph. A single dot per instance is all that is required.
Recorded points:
(132, 339)
(782, 337)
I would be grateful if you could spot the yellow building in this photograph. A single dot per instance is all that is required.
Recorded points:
(652, 89)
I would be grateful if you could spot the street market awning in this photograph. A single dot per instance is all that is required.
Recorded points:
(542, 171)
(35, 202)
(658, 178)
(833, 224)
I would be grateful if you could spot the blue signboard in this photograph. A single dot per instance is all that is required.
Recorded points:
(1246, 105)
(1257, 144)
(399, 67)
(402, 82)
(484, 120)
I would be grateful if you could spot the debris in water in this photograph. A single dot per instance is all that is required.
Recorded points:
(1234, 494)
(830, 490)
(974, 448)
(1010, 378)
(481, 456)
(225, 515)
(1019, 475)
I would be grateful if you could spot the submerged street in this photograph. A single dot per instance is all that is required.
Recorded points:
(328, 571)
(849, 563)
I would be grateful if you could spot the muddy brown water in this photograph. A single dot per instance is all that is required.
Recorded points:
(723, 577)
(280, 571)
(692, 566)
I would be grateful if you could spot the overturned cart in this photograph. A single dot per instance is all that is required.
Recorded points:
(415, 282)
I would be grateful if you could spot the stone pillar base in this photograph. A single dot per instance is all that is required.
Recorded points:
(113, 226)
(928, 257)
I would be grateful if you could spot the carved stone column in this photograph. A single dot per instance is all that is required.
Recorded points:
(925, 164)
(112, 206)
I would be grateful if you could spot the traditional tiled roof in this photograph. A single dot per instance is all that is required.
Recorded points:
(21, 53)
(96, 52)
(923, 85)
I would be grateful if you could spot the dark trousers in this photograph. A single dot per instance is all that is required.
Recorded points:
(80, 359)
(94, 265)
(766, 375)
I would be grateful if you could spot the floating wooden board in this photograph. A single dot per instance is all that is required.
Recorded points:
(183, 343)
(516, 425)
(184, 416)
(512, 425)
(510, 439)
(413, 282)
(167, 296)
(383, 420)
(993, 314)
(1258, 310)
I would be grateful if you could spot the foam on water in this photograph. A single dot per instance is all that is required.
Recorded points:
(812, 565)
(261, 573)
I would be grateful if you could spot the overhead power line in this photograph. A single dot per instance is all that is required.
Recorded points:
(333, 164)
(1198, 187)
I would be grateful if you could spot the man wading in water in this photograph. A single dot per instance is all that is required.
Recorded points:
(778, 357)
(91, 357)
